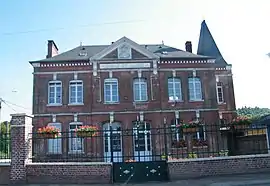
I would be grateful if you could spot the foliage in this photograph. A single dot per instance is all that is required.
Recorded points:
(85, 131)
(49, 131)
(190, 124)
(253, 112)
(192, 155)
(4, 140)
(242, 120)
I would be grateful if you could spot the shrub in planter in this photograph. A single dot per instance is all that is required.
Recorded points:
(241, 122)
(190, 127)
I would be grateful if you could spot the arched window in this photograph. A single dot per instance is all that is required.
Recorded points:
(140, 89)
(174, 89)
(111, 94)
(195, 89)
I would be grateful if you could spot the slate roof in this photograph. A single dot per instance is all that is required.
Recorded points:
(159, 49)
(207, 45)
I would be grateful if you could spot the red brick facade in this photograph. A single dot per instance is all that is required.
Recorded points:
(94, 111)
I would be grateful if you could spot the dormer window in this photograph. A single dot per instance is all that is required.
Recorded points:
(124, 52)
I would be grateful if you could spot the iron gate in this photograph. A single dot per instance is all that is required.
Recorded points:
(134, 172)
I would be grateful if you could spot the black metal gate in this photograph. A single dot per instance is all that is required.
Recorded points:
(135, 172)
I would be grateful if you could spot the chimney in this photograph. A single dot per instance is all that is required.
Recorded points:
(52, 49)
(189, 46)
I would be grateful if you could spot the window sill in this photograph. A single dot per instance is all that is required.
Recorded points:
(75, 152)
(75, 104)
(54, 153)
(111, 103)
(201, 100)
(194, 147)
(140, 102)
(175, 101)
(222, 103)
(54, 105)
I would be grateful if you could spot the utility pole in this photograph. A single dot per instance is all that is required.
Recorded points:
(1, 100)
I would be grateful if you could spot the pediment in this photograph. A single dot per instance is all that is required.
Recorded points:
(124, 49)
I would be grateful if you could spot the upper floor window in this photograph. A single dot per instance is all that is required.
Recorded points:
(55, 92)
(111, 94)
(75, 92)
(75, 143)
(220, 97)
(174, 89)
(195, 89)
(140, 89)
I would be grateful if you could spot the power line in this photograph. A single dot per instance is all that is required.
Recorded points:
(63, 28)
(16, 105)
(9, 106)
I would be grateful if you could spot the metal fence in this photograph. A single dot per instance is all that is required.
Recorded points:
(5, 150)
(143, 143)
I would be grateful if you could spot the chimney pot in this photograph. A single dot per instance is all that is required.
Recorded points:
(52, 49)
(189, 46)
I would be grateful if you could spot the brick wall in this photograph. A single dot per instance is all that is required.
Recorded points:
(4, 174)
(194, 168)
(60, 173)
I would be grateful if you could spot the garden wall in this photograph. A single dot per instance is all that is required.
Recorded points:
(4, 173)
(194, 168)
(76, 173)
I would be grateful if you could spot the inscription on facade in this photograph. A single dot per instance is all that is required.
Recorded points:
(125, 65)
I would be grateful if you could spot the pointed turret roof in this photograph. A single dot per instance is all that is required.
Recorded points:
(207, 45)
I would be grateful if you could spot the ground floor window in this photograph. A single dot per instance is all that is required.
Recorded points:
(179, 138)
(75, 143)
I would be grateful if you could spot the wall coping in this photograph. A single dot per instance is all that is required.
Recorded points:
(5, 162)
(69, 163)
(21, 114)
(221, 158)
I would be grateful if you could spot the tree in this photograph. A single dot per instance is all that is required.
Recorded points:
(253, 112)
(4, 140)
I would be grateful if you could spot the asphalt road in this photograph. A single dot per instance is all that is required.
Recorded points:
(258, 179)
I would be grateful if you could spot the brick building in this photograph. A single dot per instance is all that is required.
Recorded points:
(124, 82)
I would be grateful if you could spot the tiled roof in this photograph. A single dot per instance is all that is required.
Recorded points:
(159, 49)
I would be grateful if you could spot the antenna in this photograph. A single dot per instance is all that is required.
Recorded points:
(162, 42)
(80, 43)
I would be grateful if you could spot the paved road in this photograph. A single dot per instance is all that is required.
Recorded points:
(239, 180)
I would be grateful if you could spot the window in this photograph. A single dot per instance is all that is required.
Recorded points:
(75, 92)
(195, 89)
(111, 90)
(55, 145)
(174, 89)
(220, 94)
(55, 92)
(75, 143)
(140, 89)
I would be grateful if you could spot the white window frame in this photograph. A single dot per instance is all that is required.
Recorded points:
(174, 81)
(111, 80)
(55, 94)
(70, 150)
(222, 95)
(194, 80)
(57, 141)
(78, 83)
(140, 81)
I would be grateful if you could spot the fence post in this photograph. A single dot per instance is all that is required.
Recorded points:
(21, 127)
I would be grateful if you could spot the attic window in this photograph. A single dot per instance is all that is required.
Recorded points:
(164, 52)
(82, 54)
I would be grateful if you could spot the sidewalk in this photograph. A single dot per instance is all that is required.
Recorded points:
(258, 179)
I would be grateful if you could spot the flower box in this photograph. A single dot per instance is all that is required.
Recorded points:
(190, 130)
(241, 122)
(86, 131)
(243, 126)
(48, 132)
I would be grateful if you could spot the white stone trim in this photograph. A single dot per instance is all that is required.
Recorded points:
(185, 61)
(35, 65)
(131, 112)
(111, 116)
(128, 42)
(69, 163)
(141, 116)
(75, 77)
(54, 76)
(221, 158)
(124, 70)
(75, 118)
(65, 64)
(53, 118)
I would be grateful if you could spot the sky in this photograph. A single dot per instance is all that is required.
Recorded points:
(240, 29)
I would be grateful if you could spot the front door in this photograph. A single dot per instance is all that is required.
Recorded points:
(113, 146)
(142, 143)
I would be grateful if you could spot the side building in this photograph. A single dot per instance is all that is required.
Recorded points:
(125, 82)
